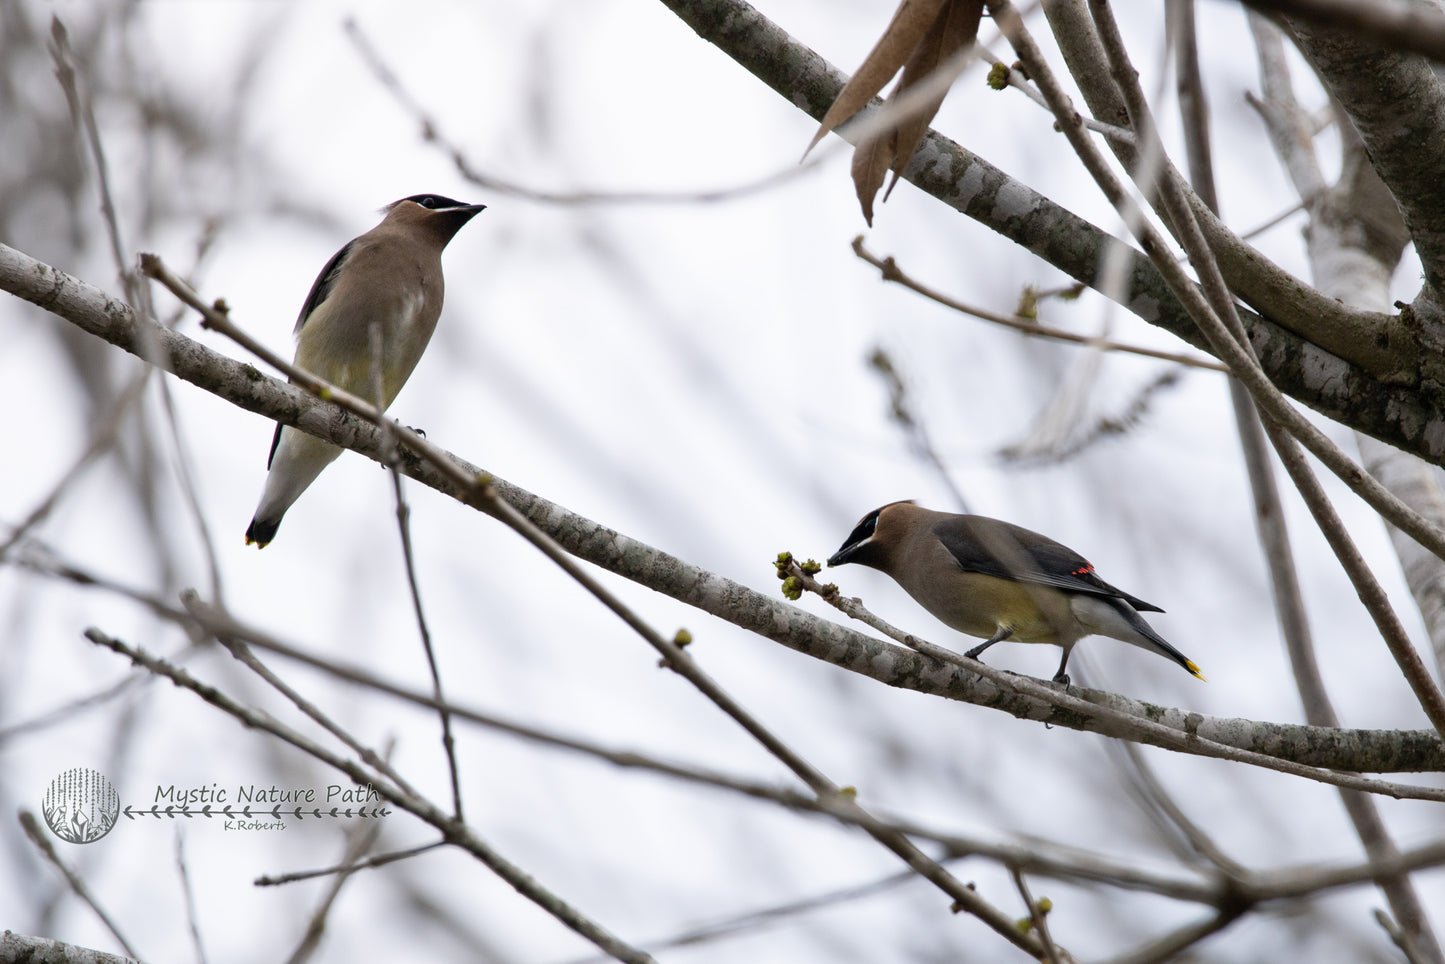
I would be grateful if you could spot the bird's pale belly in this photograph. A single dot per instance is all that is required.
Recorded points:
(980, 605)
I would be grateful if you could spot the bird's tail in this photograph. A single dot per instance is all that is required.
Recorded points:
(296, 460)
(261, 531)
(1117, 619)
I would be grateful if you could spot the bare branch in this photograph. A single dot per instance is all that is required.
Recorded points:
(891, 272)
(77, 885)
(1399, 24)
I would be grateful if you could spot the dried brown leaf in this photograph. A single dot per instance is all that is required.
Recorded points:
(955, 28)
(870, 166)
(910, 23)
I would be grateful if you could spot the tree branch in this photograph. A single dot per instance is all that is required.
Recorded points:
(1398, 24)
(1397, 104)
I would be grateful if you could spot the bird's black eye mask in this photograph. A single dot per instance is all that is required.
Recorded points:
(863, 530)
(433, 202)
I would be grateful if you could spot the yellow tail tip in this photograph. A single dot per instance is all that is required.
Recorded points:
(1189, 665)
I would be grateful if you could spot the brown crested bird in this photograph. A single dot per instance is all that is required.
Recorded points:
(390, 277)
(999, 581)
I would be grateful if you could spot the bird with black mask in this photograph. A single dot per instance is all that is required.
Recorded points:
(997, 581)
(391, 278)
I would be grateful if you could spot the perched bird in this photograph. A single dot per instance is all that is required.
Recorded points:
(998, 581)
(391, 277)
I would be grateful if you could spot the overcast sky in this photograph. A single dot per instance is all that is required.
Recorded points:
(696, 376)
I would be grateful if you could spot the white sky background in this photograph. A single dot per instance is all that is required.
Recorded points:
(693, 375)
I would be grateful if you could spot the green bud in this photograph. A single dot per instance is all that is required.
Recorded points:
(1028, 306)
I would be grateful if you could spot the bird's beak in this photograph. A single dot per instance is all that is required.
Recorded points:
(840, 557)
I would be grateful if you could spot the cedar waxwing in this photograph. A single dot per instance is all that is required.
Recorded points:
(391, 276)
(998, 581)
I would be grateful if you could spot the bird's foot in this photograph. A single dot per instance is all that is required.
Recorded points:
(1062, 678)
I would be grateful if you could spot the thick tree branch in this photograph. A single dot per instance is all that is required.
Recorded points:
(1397, 24)
(22, 949)
(91, 309)
(1397, 105)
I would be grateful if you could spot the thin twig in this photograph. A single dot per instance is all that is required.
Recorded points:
(1399, 938)
(41, 559)
(891, 272)
(882, 363)
(64, 713)
(192, 920)
(186, 477)
(1018, 81)
(102, 436)
(1275, 221)
(752, 921)
(360, 838)
(431, 132)
(83, 114)
(403, 524)
(1037, 916)
(1156, 795)
(1169, 947)
(1101, 427)
(47, 850)
(449, 745)
(350, 866)
(242, 652)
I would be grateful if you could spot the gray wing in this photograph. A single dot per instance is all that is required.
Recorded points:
(1043, 561)
(325, 281)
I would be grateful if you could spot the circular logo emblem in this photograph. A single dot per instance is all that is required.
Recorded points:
(81, 805)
